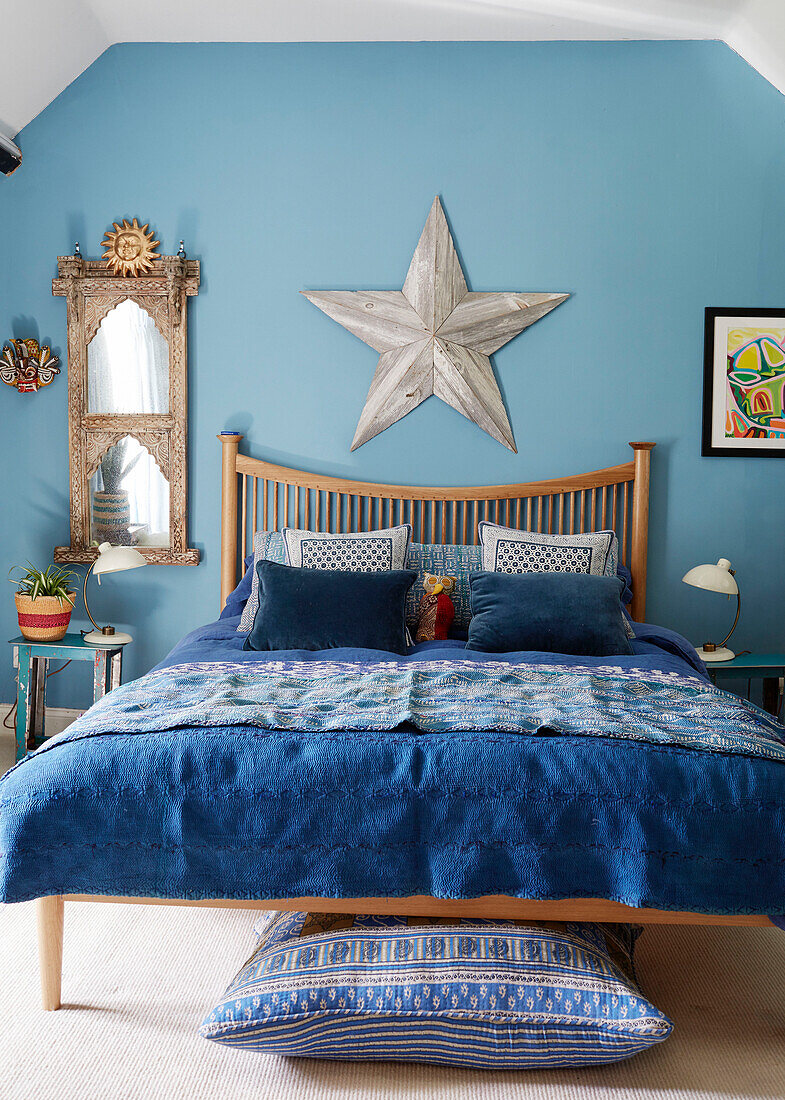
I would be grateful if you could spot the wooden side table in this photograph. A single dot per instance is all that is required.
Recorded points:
(32, 658)
(767, 667)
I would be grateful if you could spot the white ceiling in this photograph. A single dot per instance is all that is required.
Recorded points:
(48, 43)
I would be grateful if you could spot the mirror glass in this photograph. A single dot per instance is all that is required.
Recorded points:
(127, 364)
(129, 497)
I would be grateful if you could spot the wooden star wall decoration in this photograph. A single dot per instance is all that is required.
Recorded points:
(435, 337)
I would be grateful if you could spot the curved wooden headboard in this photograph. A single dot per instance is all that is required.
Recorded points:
(272, 497)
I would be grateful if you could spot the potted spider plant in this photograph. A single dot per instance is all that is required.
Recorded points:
(44, 602)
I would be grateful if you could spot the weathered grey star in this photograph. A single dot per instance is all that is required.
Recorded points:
(435, 336)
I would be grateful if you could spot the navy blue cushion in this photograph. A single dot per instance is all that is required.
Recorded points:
(330, 608)
(625, 576)
(573, 613)
(238, 597)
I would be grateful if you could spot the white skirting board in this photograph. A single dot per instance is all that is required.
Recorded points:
(57, 718)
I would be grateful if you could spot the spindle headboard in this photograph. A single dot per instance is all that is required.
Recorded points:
(257, 495)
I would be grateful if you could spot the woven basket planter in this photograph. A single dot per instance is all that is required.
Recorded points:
(45, 618)
(111, 517)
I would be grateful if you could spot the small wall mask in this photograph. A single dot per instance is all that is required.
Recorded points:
(27, 365)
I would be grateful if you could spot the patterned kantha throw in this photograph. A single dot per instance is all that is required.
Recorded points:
(439, 696)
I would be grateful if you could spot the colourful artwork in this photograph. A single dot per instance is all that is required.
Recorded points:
(744, 386)
(27, 366)
(756, 384)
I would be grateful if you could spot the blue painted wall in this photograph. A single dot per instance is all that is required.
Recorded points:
(646, 179)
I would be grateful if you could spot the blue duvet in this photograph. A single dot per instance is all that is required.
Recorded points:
(675, 801)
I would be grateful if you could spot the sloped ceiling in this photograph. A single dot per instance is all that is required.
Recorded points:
(48, 43)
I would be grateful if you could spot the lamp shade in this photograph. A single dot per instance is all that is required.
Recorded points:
(115, 559)
(714, 578)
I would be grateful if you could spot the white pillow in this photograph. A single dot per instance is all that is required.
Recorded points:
(508, 550)
(363, 552)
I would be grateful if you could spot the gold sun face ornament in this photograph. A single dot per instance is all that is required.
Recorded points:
(130, 249)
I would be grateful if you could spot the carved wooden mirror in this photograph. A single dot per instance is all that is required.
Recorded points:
(127, 419)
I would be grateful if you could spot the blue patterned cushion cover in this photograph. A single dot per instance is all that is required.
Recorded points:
(485, 994)
(452, 561)
(508, 550)
(267, 546)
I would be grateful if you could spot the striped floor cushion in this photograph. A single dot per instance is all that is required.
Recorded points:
(489, 994)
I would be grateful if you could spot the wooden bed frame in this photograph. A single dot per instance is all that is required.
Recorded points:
(258, 495)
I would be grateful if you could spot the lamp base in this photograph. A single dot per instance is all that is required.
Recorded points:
(107, 641)
(718, 654)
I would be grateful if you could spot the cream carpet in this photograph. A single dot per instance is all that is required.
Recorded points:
(138, 979)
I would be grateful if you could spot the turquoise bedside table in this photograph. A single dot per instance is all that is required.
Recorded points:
(32, 658)
(768, 667)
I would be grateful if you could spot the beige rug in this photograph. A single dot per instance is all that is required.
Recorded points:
(138, 980)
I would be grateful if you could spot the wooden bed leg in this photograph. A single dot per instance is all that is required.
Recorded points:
(49, 915)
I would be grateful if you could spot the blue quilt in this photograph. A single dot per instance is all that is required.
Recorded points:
(345, 774)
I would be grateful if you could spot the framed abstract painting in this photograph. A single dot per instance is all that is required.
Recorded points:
(744, 382)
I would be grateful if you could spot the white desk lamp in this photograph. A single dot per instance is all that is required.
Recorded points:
(111, 559)
(716, 578)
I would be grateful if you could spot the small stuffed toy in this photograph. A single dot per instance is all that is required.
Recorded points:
(437, 612)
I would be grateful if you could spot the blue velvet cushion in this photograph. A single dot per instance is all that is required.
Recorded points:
(574, 613)
(330, 608)
(479, 993)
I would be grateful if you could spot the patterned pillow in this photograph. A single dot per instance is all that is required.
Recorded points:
(267, 546)
(451, 561)
(488, 994)
(364, 552)
(507, 550)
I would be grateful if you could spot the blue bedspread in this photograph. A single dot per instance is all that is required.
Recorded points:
(235, 810)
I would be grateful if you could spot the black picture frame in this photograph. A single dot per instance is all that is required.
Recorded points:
(755, 447)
